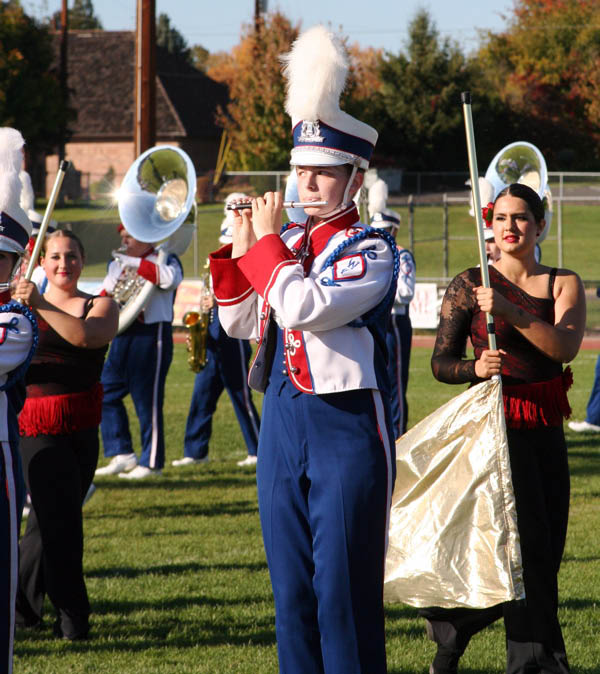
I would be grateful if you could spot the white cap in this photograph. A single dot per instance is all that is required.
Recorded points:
(324, 135)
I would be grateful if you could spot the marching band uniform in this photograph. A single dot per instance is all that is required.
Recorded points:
(18, 338)
(226, 368)
(399, 333)
(137, 363)
(316, 298)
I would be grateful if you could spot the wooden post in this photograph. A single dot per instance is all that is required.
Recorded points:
(63, 80)
(145, 77)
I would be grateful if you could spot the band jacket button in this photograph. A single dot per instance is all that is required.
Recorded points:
(294, 370)
(262, 315)
(284, 372)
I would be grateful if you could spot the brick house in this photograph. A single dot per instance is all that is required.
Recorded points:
(101, 68)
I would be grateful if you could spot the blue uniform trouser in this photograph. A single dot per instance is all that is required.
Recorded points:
(593, 406)
(12, 496)
(137, 363)
(226, 368)
(398, 341)
(325, 474)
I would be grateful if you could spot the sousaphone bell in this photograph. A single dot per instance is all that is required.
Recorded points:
(157, 203)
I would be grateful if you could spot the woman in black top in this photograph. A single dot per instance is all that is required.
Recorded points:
(539, 317)
(59, 435)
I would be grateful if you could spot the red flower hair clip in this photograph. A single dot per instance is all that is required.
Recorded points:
(488, 214)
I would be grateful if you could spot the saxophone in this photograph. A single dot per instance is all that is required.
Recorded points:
(197, 323)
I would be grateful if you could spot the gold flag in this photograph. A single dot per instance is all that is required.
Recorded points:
(453, 537)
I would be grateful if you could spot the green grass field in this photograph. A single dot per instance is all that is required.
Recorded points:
(177, 576)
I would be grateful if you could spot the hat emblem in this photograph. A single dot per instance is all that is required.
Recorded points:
(311, 132)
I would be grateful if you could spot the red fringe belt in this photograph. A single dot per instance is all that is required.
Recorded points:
(542, 403)
(61, 414)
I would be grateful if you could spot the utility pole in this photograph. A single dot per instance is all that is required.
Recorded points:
(63, 81)
(145, 77)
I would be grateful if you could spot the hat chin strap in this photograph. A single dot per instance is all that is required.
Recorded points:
(346, 199)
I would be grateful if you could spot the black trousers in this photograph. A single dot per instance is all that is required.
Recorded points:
(540, 475)
(58, 472)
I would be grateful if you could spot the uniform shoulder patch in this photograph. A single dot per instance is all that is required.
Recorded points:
(349, 268)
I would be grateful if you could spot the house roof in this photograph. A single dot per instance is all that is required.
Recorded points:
(101, 67)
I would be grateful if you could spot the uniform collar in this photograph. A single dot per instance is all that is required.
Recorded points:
(322, 230)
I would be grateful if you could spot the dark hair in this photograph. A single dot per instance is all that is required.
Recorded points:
(60, 234)
(528, 195)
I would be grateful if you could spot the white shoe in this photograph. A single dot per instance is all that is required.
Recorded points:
(188, 461)
(118, 464)
(583, 427)
(141, 473)
(248, 461)
(90, 492)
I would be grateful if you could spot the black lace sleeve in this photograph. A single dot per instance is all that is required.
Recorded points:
(448, 360)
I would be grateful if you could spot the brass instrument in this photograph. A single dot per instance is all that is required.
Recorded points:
(197, 323)
(157, 203)
(521, 162)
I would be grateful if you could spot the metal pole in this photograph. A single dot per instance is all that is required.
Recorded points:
(411, 224)
(445, 231)
(62, 169)
(474, 173)
(559, 233)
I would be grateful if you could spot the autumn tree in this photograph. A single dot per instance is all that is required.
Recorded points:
(255, 119)
(545, 67)
(30, 97)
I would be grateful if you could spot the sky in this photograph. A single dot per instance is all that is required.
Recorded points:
(216, 25)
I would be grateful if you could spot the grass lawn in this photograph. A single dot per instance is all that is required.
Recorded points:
(177, 577)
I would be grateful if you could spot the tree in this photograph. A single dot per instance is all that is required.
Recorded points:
(200, 57)
(545, 68)
(30, 97)
(81, 17)
(171, 39)
(255, 119)
(419, 101)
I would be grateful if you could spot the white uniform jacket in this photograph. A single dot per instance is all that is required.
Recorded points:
(18, 339)
(405, 290)
(347, 272)
(165, 276)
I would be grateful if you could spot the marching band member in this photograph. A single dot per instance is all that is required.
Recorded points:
(399, 332)
(317, 297)
(59, 429)
(137, 364)
(539, 314)
(226, 368)
(18, 336)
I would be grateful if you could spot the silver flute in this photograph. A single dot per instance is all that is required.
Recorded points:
(286, 204)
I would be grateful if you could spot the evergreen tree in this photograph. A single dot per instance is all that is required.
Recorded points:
(81, 17)
(171, 39)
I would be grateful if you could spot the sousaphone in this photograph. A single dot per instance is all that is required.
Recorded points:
(519, 162)
(157, 203)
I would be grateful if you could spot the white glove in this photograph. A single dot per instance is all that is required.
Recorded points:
(127, 260)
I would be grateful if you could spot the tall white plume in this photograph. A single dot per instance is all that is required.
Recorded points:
(11, 158)
(316, 69)
(27, 195)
